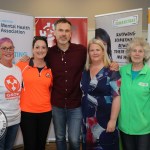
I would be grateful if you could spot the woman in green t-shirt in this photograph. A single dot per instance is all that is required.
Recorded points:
(134, 118)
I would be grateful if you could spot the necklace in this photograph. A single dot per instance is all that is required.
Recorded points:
(62, 53)
(62, 56)
(63, 50)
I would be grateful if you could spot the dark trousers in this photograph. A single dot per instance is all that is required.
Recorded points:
(34, 127)
(135, 142)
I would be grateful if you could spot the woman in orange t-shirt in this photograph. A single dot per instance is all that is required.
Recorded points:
(36, 109)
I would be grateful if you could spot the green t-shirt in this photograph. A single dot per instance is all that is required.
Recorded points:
(134, 117)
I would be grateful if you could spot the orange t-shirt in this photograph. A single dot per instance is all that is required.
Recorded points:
(36, 88)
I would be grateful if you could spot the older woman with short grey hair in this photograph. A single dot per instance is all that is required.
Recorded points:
(134, 119)
(143, 43)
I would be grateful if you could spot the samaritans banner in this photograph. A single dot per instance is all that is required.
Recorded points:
(19, 28)
(121, 27)
(149, 25)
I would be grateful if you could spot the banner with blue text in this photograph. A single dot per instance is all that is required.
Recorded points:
(19, 28)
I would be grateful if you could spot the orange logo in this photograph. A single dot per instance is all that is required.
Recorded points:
(12, 84)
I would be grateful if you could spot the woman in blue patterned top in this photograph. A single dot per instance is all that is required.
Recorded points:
(100, 101)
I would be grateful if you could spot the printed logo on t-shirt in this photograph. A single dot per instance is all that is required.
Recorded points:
(143, 84)
(13, 86)
(47, 75)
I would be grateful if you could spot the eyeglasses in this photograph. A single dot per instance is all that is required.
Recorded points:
(6, 49)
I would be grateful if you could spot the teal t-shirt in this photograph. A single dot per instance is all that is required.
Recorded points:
(134, 74)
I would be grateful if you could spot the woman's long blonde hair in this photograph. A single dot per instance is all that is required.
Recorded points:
(106, 58)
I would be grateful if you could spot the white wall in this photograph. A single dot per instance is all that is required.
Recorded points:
(75, 8)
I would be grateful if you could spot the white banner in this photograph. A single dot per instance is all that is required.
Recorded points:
(149, 25)
(19, 28)
(121, 27)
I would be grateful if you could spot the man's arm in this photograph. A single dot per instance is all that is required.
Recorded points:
(25, 58)
(114, 66)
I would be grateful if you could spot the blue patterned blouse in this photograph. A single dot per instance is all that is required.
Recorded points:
(97, 98)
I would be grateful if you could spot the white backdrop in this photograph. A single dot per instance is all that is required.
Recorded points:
(19, 28)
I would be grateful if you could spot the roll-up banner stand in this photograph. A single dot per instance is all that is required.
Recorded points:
(122, 27)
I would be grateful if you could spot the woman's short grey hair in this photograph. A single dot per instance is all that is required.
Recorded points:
(138, 41)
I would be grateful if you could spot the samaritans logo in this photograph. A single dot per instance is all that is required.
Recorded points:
(3, 124)
(127, 21)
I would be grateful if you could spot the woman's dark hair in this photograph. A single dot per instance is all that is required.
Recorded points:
(104, 36)
(42, 38)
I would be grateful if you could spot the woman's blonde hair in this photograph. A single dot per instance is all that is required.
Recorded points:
(138, 41)
(99, 43)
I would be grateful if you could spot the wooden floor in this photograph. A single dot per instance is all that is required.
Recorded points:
(49, 146)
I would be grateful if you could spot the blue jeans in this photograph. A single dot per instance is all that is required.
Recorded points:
(71, 118)
(7, 142)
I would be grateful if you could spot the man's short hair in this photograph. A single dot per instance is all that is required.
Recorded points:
(62, 20)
